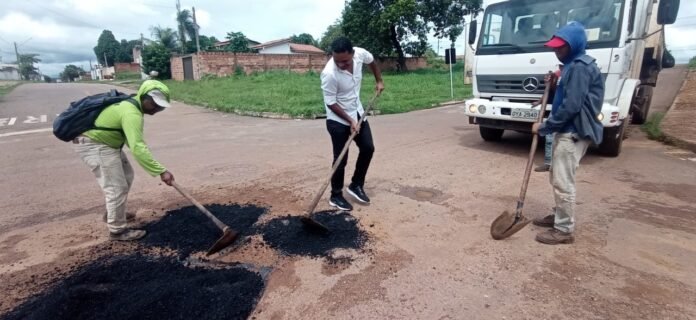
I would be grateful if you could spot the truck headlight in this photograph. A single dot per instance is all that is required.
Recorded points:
(482, 109)
(600, 116)
(472, 108)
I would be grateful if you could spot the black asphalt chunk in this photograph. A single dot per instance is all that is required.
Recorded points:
(188, 230)
(139, 287)
(288, 235)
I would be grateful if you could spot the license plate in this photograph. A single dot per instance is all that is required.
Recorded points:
(524, 113)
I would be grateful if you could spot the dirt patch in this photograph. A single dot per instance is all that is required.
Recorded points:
(660, 215)
(681, 191)
(8, 252)
(134, 286)
(288, 234)
(188, 230)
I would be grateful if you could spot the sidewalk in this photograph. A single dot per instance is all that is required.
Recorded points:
(678, 124)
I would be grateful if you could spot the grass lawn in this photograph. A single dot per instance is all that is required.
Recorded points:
(299, 95)
(7, 86)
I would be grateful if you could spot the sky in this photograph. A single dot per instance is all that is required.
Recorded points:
(66, 31)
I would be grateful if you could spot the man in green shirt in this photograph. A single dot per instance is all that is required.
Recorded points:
(102, 151)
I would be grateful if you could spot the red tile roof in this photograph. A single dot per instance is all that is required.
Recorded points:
(305, 48)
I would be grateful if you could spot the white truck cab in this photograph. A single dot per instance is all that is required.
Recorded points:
(625, 36)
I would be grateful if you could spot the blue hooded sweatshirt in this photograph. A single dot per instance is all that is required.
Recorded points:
(580, 93)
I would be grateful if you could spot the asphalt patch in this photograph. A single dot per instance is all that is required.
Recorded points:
(288, 235)
(188, 230)
(140, 287)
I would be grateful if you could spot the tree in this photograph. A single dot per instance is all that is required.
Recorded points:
(692, 63)
(156, 58)
(332, 32)
(184, 20)
(165, 36)
(107, 46)
(397, 27)
(238, 42)
(70, 73)
(125, 53)
(303, 38)
(48, 79)
(206, 44)
(26, 65)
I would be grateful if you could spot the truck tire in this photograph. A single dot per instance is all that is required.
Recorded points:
(640, 112)
(612, 140)
(491, 134)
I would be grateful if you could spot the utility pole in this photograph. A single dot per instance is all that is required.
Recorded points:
(181, 27)
(195, 25)
(18, 63)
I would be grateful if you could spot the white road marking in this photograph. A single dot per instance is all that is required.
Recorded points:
(12, 121)
(18, 133)
(44, 118)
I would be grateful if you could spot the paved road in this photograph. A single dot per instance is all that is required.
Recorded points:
(435, 188)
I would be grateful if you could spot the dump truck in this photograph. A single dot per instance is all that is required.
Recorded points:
(627, 37)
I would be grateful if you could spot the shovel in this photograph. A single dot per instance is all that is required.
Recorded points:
(307, 220)
(228, 235)
(507, 223)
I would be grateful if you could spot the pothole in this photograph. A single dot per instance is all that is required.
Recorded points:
(288, 235)
(142, 287)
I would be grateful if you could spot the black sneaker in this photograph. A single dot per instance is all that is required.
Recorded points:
(358, 193)
(340, 202)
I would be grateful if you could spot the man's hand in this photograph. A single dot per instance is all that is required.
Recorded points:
(353, 126)
(379, 87)
(551, 79)
(167, 177)
(535, 128)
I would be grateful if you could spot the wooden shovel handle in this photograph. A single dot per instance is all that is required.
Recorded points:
(532, 151)
(317, 197)
(198, 205)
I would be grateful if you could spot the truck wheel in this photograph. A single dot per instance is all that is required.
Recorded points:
(491, 134)
(613, 140)
(640, 112)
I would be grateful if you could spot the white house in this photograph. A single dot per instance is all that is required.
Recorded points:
(9, 72)
(284, 46)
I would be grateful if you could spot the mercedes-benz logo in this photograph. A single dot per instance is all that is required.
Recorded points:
(530, 84)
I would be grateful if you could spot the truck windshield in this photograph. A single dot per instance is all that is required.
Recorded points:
(524, 26)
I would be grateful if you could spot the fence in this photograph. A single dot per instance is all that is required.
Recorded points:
(193, 66)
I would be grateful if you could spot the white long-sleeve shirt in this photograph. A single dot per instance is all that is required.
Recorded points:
(343, 88)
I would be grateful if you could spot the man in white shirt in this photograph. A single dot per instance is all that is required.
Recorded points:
(340, 83)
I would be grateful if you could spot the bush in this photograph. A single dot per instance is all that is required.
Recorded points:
(692, 63)
(156, 58)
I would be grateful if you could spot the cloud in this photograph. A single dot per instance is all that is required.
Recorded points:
(65, 31)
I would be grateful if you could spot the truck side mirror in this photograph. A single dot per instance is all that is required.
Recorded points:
(667, 11)
(473, 26)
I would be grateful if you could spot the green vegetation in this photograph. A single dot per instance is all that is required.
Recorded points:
(692, 63)
(127, 76)
(7, 86)
(299, 95)
(652, 126)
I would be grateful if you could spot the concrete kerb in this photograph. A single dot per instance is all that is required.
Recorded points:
(674, 120)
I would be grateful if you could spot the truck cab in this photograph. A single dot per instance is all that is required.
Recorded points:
(626, 37)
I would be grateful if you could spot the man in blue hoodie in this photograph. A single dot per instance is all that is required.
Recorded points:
(576, 105)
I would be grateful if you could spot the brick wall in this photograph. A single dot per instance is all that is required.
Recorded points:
(127, 67)
(225, 63)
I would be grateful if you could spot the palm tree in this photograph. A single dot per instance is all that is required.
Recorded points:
(166, 36)
(186, 26)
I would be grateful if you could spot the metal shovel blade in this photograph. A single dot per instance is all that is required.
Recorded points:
(314, 225)
(228, 237)
(507, 224)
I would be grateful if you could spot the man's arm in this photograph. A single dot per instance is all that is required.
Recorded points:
(575, 91)
(379, 87)
(330, 89)
(133, 129)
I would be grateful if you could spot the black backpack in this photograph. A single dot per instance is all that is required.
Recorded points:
(82, 114)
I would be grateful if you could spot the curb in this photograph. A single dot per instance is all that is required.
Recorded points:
(675, 139)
